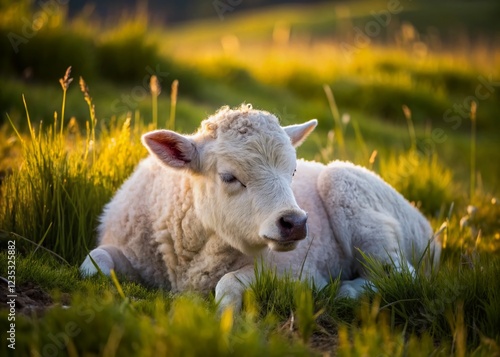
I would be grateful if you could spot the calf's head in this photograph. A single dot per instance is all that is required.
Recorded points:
(240, 165)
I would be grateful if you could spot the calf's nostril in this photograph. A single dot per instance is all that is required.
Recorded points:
(286, 222)
(293, 226)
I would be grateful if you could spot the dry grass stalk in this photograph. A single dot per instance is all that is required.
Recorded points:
(173, 104)
(65, 82)
(154, 86)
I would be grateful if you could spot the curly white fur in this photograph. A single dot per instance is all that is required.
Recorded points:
(197, 211)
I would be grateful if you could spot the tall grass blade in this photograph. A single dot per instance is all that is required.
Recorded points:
(339, 134)
(360, 140)
(411, 127)
(37, 246)
(473, 109)
(28, 119)
(173, 104)
(117, 284)
(15, 129)
(65, 82)
(155, 88)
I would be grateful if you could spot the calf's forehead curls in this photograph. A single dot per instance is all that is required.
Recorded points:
(242, 121)
(255, 136)
(245, 121)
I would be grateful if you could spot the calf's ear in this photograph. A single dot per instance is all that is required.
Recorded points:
(298, 133)
(172, 149)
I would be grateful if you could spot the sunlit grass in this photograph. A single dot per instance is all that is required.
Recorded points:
(454, 309)
(64, 179)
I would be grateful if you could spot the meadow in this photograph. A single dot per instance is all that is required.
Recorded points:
(417, 104)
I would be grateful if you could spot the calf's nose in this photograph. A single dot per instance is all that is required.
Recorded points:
(293, 226)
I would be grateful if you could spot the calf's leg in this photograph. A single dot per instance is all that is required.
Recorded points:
(230, 288)
(108, 257)
(354, 288)
(379, 235)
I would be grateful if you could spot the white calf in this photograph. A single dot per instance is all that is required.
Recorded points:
(197, 211)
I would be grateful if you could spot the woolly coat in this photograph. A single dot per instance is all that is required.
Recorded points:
(188, 217)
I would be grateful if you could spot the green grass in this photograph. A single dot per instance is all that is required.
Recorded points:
(454, 309)
(58, 170)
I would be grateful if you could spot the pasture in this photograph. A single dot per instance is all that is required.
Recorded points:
(415, 98)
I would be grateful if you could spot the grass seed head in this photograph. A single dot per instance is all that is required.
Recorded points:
(85, 90)
(66, 80)
(154, 86)
(406, 112)
(473, 110)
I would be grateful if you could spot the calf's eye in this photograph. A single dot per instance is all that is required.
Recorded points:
(229, 179)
